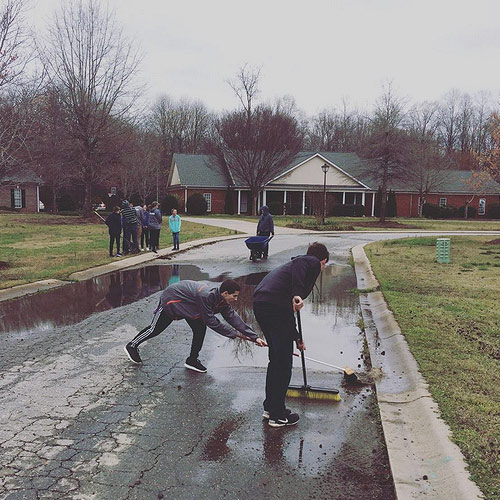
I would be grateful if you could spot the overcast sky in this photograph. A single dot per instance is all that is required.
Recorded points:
(318, 51)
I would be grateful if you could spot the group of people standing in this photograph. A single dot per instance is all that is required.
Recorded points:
(140, 225)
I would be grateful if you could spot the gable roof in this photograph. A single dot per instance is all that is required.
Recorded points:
(21, 176)
(348, 163)
(203, 171)
(198, 171)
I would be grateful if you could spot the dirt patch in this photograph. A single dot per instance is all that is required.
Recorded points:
(496, 241)
(4, 265)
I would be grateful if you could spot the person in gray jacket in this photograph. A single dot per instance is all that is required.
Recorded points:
(197, 303)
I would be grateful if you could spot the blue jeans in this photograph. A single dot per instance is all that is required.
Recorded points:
(175, 239)
(128, 231)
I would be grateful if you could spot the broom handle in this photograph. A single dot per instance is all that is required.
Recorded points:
(302, 356)
(321, 362)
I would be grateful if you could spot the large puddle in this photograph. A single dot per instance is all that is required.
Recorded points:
(330, 314)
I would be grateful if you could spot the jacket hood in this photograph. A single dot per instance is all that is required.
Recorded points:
(265, 210)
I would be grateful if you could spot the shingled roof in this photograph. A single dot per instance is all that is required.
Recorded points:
(21, 176)
(203, 171)
(199, 171)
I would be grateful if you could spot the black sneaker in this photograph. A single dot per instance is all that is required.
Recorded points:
(132, 353)
(267, 415)
(290, 419)
(194, 364)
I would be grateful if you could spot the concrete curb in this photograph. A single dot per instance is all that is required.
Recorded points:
(424, 461)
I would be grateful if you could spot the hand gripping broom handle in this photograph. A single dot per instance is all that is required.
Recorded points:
(302, 356)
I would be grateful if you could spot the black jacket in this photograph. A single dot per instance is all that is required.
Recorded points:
(296, 277)
(114, 223)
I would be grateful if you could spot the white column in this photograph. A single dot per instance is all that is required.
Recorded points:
(343, 197)
(284, 201)
(239, 201)
(258, 203)
(303, 202)
(185, 200)
(373, 204)
(37, 198)
(264, 197)
(363, 198)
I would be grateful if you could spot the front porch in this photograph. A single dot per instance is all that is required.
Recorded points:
(305, 202)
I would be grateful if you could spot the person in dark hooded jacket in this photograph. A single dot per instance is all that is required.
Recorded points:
(276, 298)
(265, 227)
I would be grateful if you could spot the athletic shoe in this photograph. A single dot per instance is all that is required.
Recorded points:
(290, 419)
(119, 254)
(267, 415)
(133, 353)
(194, 364)
(174, 249)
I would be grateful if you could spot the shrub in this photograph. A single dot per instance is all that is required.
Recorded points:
(276, 207)
(493, 211)
(168, 203)
(228, 202)
(196, 204)
(348, 210)
(431, 211)
(471, 212)
(65, 203)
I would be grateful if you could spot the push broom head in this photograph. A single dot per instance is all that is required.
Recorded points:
(296, 391)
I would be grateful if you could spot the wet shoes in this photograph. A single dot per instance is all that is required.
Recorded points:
(266, 415)
(133, 353)
(194, 364)
(290, 419)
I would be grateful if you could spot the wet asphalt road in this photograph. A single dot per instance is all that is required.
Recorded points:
(79, 421)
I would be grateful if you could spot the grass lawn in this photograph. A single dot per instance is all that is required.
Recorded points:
(43, 246)
(450, 316)
(372, 224)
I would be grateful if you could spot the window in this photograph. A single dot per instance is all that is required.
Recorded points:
(482, 206)
(17, 198)
(244, 202)
(442, 202)
(208, 199)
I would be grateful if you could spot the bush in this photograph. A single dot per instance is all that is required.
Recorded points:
(276, 207)
(66, 203)
(431, 211)
(471, 213)
(348, 210)
(196, 204)
(493, 211)
(228, 202)
(168, 203)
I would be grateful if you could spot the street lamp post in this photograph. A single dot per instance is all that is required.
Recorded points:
(325, 168)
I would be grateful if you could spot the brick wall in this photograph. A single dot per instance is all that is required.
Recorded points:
(218, 198)
(30, 197)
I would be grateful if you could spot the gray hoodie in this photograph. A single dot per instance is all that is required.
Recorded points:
(189, 299)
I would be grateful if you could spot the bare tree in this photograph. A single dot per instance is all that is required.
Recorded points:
(90, 59)
(387, 148)
(255, 153)
(15, 53)
(246, 87)
(14, 42)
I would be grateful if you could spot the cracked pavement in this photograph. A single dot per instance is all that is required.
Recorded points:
(79, 421)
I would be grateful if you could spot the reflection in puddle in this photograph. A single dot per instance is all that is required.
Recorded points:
(74, 302)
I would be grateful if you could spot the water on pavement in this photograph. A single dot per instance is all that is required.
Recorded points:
(79, 421)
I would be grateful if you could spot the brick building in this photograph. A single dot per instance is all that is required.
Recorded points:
(299, 186)
(20, 191)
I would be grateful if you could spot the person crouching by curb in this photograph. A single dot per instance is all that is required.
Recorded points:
(276, 298)
(175, 222)
(265, 227)
(197, 303)
(114, 223)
